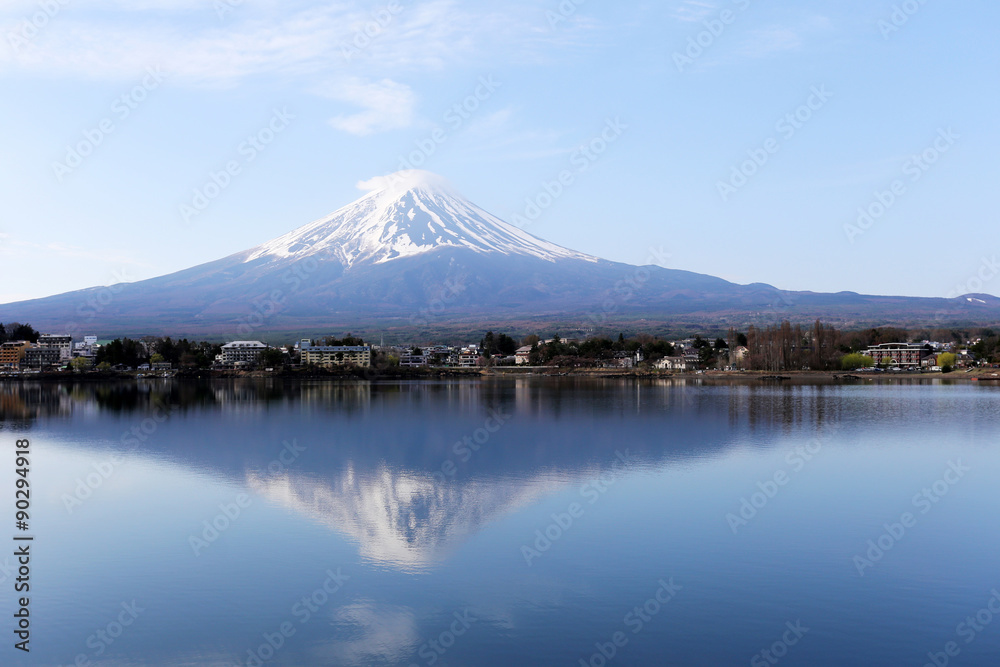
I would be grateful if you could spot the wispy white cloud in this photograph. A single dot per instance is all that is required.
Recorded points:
(766, 41)
(197, 48)
(691, 11)
(306, 42)
(387, 106)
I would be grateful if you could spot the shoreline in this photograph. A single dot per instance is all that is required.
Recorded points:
(987, 375)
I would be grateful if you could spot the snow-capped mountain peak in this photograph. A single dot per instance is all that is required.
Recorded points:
(405, 214)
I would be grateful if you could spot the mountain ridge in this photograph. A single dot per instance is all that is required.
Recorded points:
(413, 256)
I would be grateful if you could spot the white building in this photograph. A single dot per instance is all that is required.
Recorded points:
(522, 355)
(468, 357)
(242, 352)
(334, 355)
(673, 364)
(87, 349)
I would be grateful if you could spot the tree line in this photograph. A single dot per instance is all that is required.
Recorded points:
(13, 331)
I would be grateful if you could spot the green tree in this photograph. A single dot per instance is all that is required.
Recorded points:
(272, 357)
(79, 364)
(122, 351)
(18, 331)
(856, 360)
(946, 360)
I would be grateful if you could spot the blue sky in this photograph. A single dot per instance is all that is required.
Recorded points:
(117, 113)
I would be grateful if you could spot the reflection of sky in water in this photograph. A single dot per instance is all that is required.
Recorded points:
(365, 495)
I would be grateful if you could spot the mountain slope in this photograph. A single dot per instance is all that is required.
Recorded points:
(413, 253)
(407, 214)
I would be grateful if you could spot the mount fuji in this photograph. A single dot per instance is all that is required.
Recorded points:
(412, 255)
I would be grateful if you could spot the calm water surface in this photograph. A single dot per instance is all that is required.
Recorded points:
(508, 522)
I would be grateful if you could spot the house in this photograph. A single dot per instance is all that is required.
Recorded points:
(334, 355)
(468, 357)
(930, 361)
(242, 352)
(673, 364)
(523, 355)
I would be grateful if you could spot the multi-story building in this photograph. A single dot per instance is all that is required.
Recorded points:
(12, 353)
(334, 355)
(468, 357)
(86, 349)
(41, 357)
(413, 360)
(62, 342)
(523, 355)
(907, 355)
(242, 352)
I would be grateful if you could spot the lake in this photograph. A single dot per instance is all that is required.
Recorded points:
(523, 521)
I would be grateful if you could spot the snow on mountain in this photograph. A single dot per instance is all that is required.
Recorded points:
(405, 214)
